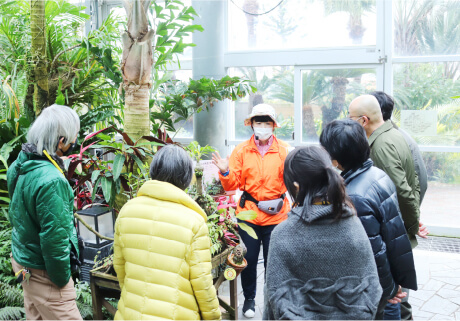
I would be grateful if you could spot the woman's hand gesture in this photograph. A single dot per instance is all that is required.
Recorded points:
(221, 163)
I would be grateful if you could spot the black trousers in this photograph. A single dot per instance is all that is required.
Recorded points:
(249, 274)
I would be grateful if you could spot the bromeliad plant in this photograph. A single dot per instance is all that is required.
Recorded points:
(126, 172)
(224, 231)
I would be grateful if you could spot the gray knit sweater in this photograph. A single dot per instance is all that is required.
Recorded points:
(320, 269)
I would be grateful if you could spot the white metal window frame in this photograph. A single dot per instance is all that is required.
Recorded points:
(380, 57)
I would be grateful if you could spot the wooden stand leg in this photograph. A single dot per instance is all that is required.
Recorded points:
(234, 297)
(97, 302)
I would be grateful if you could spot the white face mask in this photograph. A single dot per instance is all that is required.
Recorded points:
(263, 133)
(336, 168)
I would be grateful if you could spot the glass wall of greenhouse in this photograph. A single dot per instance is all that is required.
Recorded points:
(310, 58)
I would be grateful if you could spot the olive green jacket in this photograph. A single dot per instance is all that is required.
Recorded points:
(41, 213)
(390, 153)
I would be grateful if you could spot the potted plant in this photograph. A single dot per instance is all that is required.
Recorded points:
(215, 187)
(196, 152)
(236, 259)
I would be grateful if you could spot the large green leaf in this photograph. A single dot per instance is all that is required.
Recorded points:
(106, 185)
(248, 230)
(246, 215)
(95, 175)
(139, 164)
(7, 149)
(118, 166)
(95, 185)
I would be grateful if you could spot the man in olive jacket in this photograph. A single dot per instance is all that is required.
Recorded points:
(390, 153)
(386, 105)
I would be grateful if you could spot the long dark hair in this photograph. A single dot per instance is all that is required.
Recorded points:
(311, 168)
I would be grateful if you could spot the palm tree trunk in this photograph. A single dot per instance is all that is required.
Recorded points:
(137, 120)
(136, 68)
(251, 21)
(339, 90)
(308, 123)
(38, 50)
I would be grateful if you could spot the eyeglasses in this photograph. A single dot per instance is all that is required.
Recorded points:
(358, 117)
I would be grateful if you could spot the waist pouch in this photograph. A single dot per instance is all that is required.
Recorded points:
(271, 207)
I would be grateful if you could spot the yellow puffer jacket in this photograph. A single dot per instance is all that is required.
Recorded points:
(162, 257)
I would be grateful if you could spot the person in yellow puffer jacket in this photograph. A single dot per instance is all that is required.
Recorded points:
(162, 248)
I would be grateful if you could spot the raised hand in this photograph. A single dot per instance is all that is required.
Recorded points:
(221, 163)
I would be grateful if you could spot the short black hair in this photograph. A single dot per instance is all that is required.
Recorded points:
(386, 103)
(346, 141)
(261, 119)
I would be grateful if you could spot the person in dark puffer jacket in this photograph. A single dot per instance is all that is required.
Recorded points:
(41, 214)
(375, 199)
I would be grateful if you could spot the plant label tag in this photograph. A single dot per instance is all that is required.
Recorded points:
(230, 274)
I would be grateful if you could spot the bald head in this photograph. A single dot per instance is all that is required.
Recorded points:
(366, 105)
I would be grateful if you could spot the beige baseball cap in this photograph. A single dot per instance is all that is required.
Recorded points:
(261, 110)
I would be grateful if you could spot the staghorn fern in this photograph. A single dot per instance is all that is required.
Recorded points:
(12, 313)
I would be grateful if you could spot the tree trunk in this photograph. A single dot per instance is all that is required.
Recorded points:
(308, 122)
(38, 50)
(356, 29)
(339, 89)
(251, 6)
(136, 68)
(137, 121)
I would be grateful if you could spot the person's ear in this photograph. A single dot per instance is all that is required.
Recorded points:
(365, 121)
(61, 143)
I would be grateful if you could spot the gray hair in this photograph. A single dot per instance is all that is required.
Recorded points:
(54, 122)
(172, 164)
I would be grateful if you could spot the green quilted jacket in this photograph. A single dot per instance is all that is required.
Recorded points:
(41, 213)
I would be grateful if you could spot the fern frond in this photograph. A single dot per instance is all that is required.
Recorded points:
(12, 313)
(86, 310)
(10, 295)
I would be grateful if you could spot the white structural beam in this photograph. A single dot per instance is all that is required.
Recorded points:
(323, 56)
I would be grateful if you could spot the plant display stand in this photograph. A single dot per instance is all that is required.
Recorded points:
(232, 308)
(106, 286)
(103, 286)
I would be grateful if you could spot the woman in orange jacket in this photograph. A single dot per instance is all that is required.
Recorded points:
(256, 167)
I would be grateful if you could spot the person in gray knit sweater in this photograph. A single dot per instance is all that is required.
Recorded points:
(320, 262)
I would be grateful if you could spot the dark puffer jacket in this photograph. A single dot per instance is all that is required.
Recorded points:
(374, 196)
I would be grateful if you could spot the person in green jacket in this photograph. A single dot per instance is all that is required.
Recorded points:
(391, 153)
(41, 214)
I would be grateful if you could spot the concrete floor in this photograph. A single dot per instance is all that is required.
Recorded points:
(441, 206)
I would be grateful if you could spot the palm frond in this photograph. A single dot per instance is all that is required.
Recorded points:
(450, 109)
